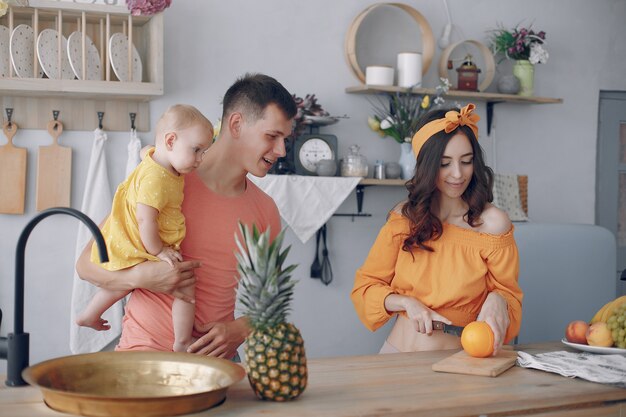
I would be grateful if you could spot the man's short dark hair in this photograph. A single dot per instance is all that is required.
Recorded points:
(252, 93)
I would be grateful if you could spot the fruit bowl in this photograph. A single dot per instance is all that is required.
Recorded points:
(140, 384)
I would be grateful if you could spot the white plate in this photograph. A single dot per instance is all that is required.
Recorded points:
(21, 47)
(118, 52)
(5, 54)
(93, 70)
(47, 52)
(595, 349)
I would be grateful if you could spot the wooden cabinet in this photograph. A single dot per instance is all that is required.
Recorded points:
(83, 98)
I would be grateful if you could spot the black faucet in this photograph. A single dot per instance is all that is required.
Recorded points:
(15, 347)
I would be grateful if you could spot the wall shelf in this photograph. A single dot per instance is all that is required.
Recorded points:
(372, 181)
(475, 95)
(360, 193)
(103, 90)
(490, 98)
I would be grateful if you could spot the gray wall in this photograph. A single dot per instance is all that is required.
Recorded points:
(209, 44)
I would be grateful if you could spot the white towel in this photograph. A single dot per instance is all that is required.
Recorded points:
(306, 203)
(97, 205)
(134, 147)
(605, 369)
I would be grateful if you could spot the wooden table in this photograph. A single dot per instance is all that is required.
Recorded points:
(400, 385)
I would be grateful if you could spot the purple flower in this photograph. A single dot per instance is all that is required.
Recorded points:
(518, 43)
(147, 7)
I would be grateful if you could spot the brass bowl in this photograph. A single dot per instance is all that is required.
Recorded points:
(142, 384)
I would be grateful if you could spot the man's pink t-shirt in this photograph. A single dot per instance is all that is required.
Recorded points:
(211, 221)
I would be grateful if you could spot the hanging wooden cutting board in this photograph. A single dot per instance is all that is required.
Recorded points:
(462, 363)
(12, 174)
(54, 171)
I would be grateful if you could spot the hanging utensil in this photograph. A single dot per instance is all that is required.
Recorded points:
(12, 171)
(54, 170)
(327, 270)
(316, 266)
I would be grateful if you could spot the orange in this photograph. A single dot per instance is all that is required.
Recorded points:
(477, 339)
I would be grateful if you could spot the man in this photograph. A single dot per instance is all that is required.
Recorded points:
(257, 118)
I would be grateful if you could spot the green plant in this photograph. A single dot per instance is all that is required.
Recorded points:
(519, 43)
(397, 115)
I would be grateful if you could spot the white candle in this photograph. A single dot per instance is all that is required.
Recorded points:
(409, 69)
(379, 75)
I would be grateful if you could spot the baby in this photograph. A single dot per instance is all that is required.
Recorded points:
(146, 221)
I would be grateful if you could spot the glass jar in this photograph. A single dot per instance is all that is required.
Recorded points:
(354, 164)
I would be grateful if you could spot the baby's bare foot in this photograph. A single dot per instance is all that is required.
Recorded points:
(97, 323)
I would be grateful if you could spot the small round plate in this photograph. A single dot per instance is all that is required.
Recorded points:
(320, 120)
(21, 49)
(5, 54)
(48, 54)
(118, 52)
(93, 71)
(595, 349)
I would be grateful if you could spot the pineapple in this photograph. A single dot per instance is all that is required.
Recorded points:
(275, 358)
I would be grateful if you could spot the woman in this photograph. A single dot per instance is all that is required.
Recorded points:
(446, 253)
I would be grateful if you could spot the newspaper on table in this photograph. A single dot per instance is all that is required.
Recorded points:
(604, 369)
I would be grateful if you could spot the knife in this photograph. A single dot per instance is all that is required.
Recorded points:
(447, 328)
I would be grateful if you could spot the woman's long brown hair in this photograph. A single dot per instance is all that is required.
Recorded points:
(425, 225)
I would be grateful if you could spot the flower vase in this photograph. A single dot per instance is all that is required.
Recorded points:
(407, 160)
(525, 72)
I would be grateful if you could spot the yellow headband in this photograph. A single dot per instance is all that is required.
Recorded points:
(451, 121)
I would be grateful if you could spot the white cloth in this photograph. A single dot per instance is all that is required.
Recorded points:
(306, 203)
(506, 196)
(605, 369)
(134, 147)
(97, 205)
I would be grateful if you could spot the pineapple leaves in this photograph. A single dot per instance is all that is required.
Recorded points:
(265, 287)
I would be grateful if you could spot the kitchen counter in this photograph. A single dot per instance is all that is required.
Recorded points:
(399, 385)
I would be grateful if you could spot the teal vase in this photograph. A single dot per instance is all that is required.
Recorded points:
(525, 72)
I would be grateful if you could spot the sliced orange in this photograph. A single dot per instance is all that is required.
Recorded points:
(477, 339)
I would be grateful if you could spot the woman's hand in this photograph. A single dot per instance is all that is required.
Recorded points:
(495, 313)
(421, 316)
(220, 339)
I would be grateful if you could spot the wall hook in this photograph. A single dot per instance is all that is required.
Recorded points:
(132, 120)
(100, 116)
(55, 116)
(9, 111)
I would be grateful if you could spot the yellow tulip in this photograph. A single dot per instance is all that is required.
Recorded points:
(3, 7)
(425, 102)
(373, 123)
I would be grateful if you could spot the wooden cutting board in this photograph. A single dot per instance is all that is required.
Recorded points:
(54, 171)
(462, 363)
(12, 174)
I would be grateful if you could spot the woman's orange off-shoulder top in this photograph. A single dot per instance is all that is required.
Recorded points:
(453, 280)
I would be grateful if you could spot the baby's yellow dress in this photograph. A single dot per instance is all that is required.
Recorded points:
(154, 186)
